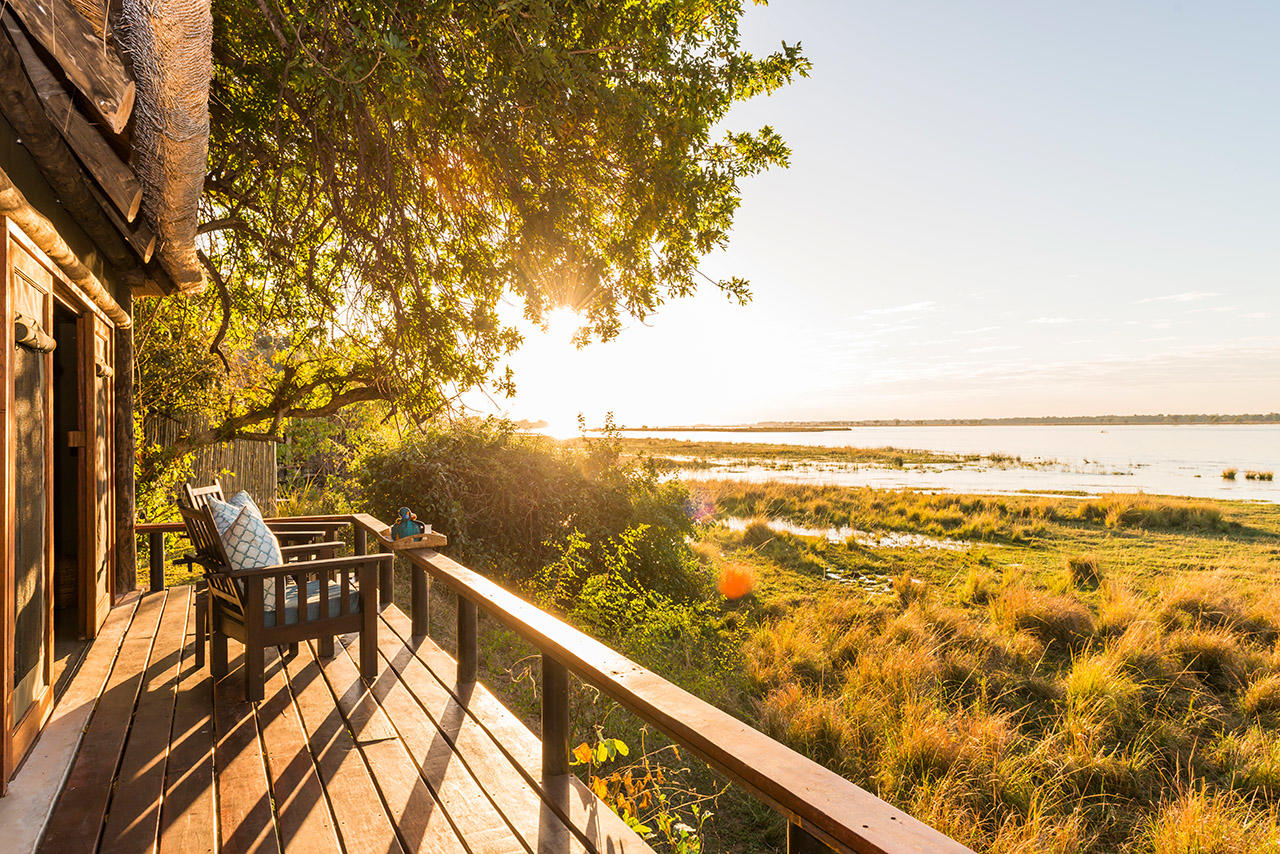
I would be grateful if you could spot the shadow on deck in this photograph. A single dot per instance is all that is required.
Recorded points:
(171, 761)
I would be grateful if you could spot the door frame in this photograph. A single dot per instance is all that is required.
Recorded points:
(16, 737)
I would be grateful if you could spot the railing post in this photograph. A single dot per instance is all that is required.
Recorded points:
(359, 539)
(468, 617)
(800, 841)
(155, 545)
(420, 600)
(555, 718)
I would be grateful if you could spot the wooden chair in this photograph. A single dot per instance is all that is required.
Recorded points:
(309, 601)
(287, 531)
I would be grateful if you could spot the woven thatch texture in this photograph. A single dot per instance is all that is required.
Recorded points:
(170, 45)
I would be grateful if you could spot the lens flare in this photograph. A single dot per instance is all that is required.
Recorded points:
(736, 581)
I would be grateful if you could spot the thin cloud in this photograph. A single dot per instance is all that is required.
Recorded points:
(1052, 321)
(923, 305)
(1186, 296)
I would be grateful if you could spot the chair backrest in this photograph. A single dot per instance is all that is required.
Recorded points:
(204, 535)
(198, 496)
(211, 553)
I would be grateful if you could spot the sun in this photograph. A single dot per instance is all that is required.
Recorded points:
(549, 374)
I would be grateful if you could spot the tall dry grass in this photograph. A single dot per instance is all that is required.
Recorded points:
(1025, 719)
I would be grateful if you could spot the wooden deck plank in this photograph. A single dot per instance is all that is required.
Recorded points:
(421, 822)
(477, 820)
(363, 824)
(133, 819)
(188, 815)
(34, 791)
(602, 828)
(77, 818)
(245, 818)
(540, 823)
(302, 811)
(505, 734)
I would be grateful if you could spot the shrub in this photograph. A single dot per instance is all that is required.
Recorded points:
(1055, 620)
(508, 501)
(1084, 570)
(1141, 511)
(1100, 695)
(909, 588)
(1228, 474)
(1209, 601)
(757, 533)
(1252, 760)
(1262, 697)
(980, 585)
(1214, 654)
(1201, 822)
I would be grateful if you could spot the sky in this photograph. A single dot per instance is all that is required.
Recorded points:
(992, 209)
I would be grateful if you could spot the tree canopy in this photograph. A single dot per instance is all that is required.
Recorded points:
(385, 176)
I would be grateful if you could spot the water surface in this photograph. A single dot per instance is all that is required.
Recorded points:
(1157, 459)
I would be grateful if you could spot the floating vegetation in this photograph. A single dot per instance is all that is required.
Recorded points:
(1259, 475)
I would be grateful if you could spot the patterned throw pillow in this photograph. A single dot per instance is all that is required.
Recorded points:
(249, 542)
(242, 499)
(224, 513)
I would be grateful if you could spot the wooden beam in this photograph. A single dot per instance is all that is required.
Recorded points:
(112, 174)
(138, 234)
(22, 107)
(92, 65)
(42, 232)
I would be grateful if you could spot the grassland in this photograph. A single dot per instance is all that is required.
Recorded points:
(1089, 675)
(693, 454)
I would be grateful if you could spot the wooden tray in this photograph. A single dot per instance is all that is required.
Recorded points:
(428, 539)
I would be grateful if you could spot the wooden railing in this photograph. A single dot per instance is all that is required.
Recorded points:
(824, 810)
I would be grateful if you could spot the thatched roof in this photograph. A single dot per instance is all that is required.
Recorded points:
(114, 109)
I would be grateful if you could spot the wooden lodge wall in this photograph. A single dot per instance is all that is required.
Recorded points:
(248, 464)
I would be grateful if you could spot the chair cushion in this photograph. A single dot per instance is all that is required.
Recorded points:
(313, 602)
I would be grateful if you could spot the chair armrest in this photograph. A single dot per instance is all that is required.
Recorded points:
(312, 549)
(298, 535)
(287, 523)
(349, 562)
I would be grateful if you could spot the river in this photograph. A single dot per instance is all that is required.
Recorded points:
(1157, 459)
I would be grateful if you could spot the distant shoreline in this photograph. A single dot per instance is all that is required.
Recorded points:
(1044, 421)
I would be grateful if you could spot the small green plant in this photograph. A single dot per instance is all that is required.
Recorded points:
(1259, 475)
(1228, 474)
(650, 794)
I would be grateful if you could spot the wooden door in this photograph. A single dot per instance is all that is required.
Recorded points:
(100, 477)
(28, 552)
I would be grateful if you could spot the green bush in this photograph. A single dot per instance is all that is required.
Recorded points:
(509, 502)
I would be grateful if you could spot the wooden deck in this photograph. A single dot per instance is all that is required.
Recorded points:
(170, 761)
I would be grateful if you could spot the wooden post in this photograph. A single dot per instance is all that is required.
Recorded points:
(800, 841)
(126, 508)
(155, 541)
(386, 583)
(468, 618)
(555, 718)
(360, 539)
(420, 601)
